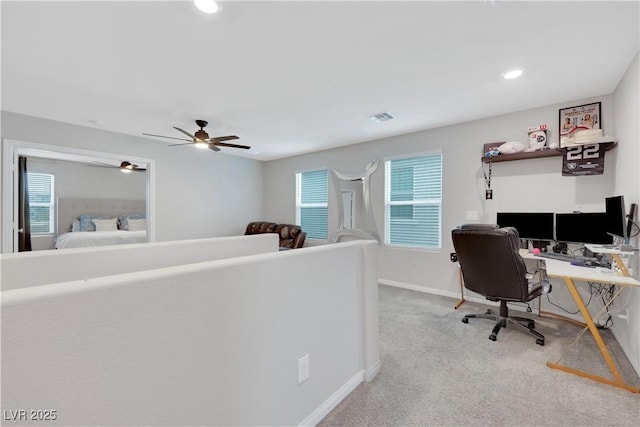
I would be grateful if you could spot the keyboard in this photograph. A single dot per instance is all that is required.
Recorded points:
(575, 260)
(559, 257)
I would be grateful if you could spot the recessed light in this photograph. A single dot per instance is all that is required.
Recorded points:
(382, 117)
(513, 74)
(207, 6)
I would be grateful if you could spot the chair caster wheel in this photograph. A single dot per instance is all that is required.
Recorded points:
(465, 320)
(540, 341)
(492, 337)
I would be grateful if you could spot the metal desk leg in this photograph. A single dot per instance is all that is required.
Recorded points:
(461, 280)
(617, 381)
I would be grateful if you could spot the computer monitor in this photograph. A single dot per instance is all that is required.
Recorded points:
(631, 218)
(583, 228)
(530, 225)
(616, 217)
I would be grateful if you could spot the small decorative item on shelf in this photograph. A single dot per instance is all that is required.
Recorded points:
(537, 138)
(511, 147)
(491, 149)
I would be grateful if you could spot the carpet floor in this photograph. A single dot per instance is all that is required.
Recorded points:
(437, 371)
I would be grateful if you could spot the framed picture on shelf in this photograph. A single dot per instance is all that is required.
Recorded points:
(581, 117)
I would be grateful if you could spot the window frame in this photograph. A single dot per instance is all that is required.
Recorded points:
(300, 205)
(51, 205)
(423, 202)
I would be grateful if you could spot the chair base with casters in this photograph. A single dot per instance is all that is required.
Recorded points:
(503, 319)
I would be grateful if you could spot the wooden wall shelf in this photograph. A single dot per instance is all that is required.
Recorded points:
(549, 152)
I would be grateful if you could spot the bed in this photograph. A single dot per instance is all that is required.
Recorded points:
(87, 239)
(78, 219)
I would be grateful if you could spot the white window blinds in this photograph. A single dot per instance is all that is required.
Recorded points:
(312, 194)
(413, 201)
(41, 202)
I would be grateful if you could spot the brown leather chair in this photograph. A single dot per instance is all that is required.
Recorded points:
(492, 266)
(260, 227)
(291, 236)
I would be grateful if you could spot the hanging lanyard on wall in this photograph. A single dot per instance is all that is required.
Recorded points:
(489, 192)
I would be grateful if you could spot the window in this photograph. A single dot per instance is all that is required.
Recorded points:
(312, 194)
(41, 205)
(413, 201)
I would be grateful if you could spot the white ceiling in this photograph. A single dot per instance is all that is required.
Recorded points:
(296, 77)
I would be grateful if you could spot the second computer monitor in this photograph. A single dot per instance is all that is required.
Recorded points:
(616, 216)
(530, 225)
(583, 228)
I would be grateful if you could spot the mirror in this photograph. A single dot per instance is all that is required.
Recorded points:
(83, 182)
(355, 218)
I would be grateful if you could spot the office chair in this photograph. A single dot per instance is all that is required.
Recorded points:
(492, 266)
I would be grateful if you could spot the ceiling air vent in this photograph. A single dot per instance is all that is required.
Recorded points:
(382, 117)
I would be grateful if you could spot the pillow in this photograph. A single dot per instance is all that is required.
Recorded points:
(124, 220)
(137, 224)
(86, 222)
(75, 225)
(511, 147)
(110, 224)
(106, 224)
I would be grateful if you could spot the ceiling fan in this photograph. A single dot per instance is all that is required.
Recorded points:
(201, 138)
(125, 167)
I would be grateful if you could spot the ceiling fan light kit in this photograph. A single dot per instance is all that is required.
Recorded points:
(125, 167)
(201, 139)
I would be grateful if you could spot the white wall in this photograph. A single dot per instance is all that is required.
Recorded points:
(214, 343)
(75, 180)
(197, 194)
(627, 181)
(29, 269)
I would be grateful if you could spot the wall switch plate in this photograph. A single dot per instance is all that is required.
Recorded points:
(472, 215)
(303, 369)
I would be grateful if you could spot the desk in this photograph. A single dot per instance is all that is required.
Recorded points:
(568, 273)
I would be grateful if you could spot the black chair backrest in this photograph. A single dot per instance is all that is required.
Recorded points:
(490, 261)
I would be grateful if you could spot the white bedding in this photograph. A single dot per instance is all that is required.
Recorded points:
(86, 239)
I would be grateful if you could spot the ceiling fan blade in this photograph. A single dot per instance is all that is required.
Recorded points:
(169, 137)
(223, 144)
(108, 165)
(176, 145)
(213, 147)
(223, 138)
(140, 170)
(104, 166)
(193, 138)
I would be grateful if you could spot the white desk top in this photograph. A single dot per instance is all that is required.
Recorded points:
(562, 269)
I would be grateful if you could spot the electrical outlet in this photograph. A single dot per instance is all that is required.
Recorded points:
(472, 215)
(303, 369)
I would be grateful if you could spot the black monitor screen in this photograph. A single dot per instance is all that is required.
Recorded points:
(583, 228)
(530, 225)
(616, 216)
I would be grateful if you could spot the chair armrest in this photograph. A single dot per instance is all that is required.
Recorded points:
(542, 278)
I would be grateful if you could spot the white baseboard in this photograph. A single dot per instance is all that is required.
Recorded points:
(440, 292)
(418, 288)
(333, 401)
(372, 372)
